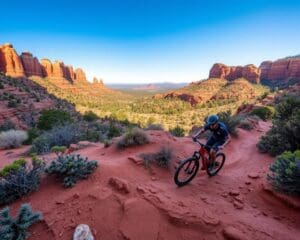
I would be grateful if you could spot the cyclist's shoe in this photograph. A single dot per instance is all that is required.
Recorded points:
(194, 139)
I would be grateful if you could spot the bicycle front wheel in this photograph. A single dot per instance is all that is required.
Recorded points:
(186, 171)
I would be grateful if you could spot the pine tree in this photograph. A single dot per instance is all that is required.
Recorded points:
(16, 229)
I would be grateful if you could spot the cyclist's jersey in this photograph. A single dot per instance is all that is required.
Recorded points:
(220, 133)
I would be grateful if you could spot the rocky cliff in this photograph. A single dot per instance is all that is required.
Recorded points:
(278, 73)
(10, 63)
(27, 65)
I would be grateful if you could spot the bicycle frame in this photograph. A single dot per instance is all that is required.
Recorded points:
(201, 153)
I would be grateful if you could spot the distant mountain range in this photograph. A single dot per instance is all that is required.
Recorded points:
(147, 87)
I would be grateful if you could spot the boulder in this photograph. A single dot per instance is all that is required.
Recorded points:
(83, 232)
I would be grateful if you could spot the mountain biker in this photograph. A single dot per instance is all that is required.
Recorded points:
(219, 138)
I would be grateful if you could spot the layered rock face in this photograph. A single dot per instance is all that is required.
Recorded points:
(10, 62)
(27, 65)
(250, 72)
(279, 72)
(32, 66)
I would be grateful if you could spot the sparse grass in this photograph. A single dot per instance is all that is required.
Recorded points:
(162, 157)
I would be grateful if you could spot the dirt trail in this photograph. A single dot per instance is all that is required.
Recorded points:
(124, 200)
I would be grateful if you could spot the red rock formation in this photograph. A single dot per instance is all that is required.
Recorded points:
(10, 62)
(281, 70)
(250, 72)
(265, 69)
(47, 67)
(31, 65)
(80, 76)
(58, 69)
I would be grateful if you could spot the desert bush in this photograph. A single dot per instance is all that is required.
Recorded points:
(285, 173)
(230, 121)
(52, 118)
(71, 168)
(155, 127)
(285, 132)
(90, 116)
(19, 180)
(58, 136)
(177, 131)
(12, 103)
(10, 168)
(162, 157)
(114, 131)
(32, 133)
(264, 113)
(246, 124)
(12, 138)
(17, 229)
(133, 137)
(7, 125)
(92, 136)
(58, 149)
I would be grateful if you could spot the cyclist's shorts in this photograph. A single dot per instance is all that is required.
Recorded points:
(214, 143)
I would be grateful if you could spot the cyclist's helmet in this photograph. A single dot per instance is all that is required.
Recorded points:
(212, 119)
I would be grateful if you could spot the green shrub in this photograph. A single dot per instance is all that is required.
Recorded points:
(12, 103)
(12, 138)
(20, 181)
(53, 118)
(177, 131)
(285, 132)
(155, 127)
(90, 116)
(7, 125)
(133, 137)
(71, 168)
(265, 113)
(17, 229)
(58, 136)
(10, 168)
(285, 173)
(162, 157)
(58, 149)
(230, 121)
(32, 133)
(113, 131)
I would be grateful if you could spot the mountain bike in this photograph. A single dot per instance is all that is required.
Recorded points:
(188, 168)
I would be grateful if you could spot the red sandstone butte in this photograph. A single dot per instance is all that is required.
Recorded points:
(10, 62)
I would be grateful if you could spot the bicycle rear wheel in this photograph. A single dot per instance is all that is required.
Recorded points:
(216, 166)
(186, 171)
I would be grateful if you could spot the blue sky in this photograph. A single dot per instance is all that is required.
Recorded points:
(139, 41)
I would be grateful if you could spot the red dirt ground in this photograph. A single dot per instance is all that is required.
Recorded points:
(124, 200)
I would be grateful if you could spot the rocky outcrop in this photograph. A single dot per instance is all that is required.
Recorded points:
(32, 66)
(83, 232)
(281, 72)
(250, 72)
(277, 73)
(10, 62)
(80, 76)
(27, 65)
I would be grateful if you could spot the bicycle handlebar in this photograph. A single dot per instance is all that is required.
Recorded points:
(200, 143)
